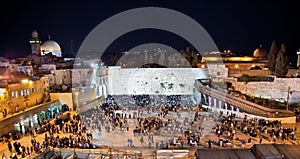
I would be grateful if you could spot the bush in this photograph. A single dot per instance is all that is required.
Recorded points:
(247, 78)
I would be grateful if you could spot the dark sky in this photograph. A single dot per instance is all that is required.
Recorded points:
(237, 25)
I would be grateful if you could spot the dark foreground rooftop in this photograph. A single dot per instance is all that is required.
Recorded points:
(261, 151)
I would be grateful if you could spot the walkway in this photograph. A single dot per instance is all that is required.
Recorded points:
(245, 105)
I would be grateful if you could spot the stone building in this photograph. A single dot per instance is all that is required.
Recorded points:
(238, 65)
(21, 93)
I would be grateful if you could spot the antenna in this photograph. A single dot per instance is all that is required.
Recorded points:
(72, 47)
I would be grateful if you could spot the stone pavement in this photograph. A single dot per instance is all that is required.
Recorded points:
(25, 140)
(118, 139)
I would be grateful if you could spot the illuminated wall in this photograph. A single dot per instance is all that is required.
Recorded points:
(25, 94)
(64, 98)
(228, 59)
(158, 81)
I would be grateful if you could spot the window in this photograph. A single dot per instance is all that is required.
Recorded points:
(23, 92)
(218, 73)
(28, 93)
(1, 92)
(32, 90)
(13, 94)
(17, 95)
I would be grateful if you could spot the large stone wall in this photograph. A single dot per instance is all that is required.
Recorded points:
(155, 81)
(272, 90)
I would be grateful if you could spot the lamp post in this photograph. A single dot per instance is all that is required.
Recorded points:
(288, 98)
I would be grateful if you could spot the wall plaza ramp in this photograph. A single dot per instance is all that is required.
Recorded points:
(225, 101)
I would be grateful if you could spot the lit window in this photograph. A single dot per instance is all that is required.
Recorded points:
(12, 94)
(28, 92)
(1, 91)
(22, 93)
(17, 95)
(236, 66)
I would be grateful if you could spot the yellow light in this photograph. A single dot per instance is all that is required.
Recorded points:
(211, 59)
(202, 66)
(241, 59)
(252, 65)
(25, 81)
(236, 66)
(30, 82)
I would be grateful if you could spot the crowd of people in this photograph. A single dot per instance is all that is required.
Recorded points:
(261, 128)
(78, 129)
(77, 137)
(150, 100)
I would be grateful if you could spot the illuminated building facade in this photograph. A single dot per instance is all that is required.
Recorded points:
(237, 66)
(22, 94)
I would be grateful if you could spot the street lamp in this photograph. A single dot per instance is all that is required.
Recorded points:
(288, 97)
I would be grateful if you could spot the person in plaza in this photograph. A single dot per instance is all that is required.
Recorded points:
(3, 156)
(209, 144)
(9, 146)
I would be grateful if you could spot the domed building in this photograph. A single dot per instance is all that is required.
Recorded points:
(260, 53)
(42, 49)
(52, 47)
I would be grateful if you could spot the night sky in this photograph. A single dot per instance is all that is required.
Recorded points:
(237, 25)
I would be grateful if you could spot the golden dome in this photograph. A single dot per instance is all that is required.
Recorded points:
(260, 53)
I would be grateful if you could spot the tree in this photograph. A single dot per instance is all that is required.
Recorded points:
(272, 57)
(281, 66)
(190, 55)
